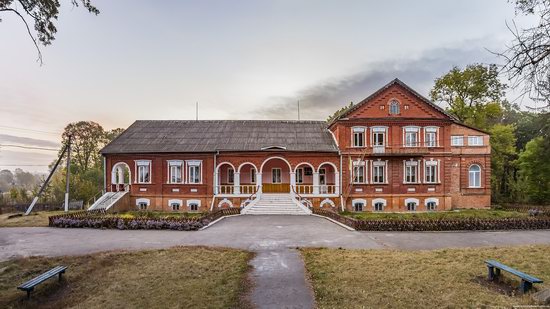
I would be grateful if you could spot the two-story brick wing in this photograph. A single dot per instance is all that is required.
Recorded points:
(393, 151)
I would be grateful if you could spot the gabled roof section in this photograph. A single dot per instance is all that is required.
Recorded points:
(385, 87)
(194, 136)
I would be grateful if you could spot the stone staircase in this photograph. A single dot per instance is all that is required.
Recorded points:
(107, 200)
(276, 204)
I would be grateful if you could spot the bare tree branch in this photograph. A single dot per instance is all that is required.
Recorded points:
(39, 59)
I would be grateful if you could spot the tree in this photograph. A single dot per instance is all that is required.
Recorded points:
(44, 13)
(535, 170)
(339, 112)
(527, 61)
(86, 139)
(503, 154)
(473, 95)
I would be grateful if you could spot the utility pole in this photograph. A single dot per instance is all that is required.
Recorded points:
(68, 174)
(197, 111)
(298, 109)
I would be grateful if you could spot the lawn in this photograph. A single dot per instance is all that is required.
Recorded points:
(39, 218)
(419, 279)
(458, 214)
(180, 277)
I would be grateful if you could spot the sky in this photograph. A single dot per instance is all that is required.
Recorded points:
(237, 59)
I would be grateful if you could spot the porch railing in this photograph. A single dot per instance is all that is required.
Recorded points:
(304, 189)
(225, 189)
(248, 189)
(309, 189)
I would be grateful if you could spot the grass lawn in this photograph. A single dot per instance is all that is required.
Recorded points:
(459, 214)
(39, 218)
(180, 277)
(419, 279)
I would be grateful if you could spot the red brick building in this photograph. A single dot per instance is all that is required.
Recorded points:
(393, 151)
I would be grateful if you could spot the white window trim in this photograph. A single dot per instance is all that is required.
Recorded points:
(189, 202)
(176, 163)
(456, 138)
(431, 129)
(480, 178)
(175, 201)
(253, 175)
(478, 138)
(379, 200)
(143, 200)
(302, 170)
(412, 200)
(359, 200)
(189, 163)
(398, 107)
(410, 129)
(379, 129)
(358, 129)
(143, 163)
(437, 164)
(379, 163)
(280, 175)
(229, 181)
(417, 171)
(365, 172)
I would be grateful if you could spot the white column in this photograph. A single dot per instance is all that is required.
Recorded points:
(259, 182)
(120, 175)
(113, 179)
(216, 175)
(237, 183)
(292, 183)
(316, 183)
(337, 183)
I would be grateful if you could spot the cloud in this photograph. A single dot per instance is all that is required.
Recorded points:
(27, 141)
(321, 100)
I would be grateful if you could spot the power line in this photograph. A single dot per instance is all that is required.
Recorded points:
(29, 147)
(31, 130)
(24, 165)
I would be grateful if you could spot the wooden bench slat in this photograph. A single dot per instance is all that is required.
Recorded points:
(41, 278)
(513, 271)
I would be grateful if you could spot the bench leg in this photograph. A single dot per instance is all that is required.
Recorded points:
(61, 273)
(490, 273)
(525, 286)
(29, 294)
(497, 273)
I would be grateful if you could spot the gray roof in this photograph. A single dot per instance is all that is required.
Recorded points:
(157, 136)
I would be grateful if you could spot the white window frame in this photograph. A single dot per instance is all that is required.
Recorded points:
(411, 130)
(359, 201)
(362, 165)
(376, 201)
(457, 140)
(175, 164)
(475, 140)
(411, 200)
(143, 163)
(376, 165)
(392, 103)
(474, 173)
(358, 131)
(429, 131)
(273, 176)
(375, 131)
(431, 200)
(193, 164)
(141, 201)
(191, 202)
(408, 165)
(435, 167)
(171, 204)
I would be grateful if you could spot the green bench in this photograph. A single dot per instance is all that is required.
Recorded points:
(29, 285)
(495, 267)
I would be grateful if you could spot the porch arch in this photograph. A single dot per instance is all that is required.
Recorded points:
(118, 176)
(279, 182)
(304, 163)
(271, 158)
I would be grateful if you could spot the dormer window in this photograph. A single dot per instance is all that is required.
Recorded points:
(394, 107)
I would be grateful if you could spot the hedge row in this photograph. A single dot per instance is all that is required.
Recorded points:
(469, 224)
(100, 219)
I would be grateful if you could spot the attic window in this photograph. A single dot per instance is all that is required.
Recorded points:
(273, 147)
(394, 107)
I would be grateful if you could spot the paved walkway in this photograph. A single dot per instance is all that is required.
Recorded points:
(278, 268)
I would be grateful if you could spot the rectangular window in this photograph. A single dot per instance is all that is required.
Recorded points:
(457, 140)
(175, 168)
(322, 176)
(194, 172)
(252, 175)
(411, 171)
(378, 136)
(143, 171)
(358, 137)
(276, 175)
(230, 175)
(430, 172)
(300, 175)
(378, 172)
(475, 140)
(358, 172)
(411, 137)
(193, 207)
(430, 139)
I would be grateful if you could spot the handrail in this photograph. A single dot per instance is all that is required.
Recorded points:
(249, 198)
(100, 193)
(301, 198)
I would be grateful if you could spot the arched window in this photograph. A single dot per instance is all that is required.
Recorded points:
(359, 204)
(411, 206)
(394, 107)
(430, 206)
(474, 176)
(378, 206)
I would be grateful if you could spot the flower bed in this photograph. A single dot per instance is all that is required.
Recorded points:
(471, 224)
(102, 219)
